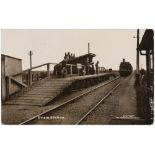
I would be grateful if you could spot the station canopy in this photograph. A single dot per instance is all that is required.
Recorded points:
(147, 42)
(81, 58)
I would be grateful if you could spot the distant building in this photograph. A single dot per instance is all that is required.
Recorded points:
(10, 66)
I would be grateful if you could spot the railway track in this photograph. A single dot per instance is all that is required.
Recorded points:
(29, 121)
(97, 104)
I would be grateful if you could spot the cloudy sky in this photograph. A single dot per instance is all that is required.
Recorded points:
(49, 45)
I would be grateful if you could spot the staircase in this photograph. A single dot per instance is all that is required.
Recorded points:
(41, 93)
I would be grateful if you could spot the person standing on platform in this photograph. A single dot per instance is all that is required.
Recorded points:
(97, 66)
(64, 69)
(69, 56)
(92, 69)
(73, 55)
(87, 66)
(65, 55)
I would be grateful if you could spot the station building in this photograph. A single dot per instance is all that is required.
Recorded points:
(76, 65)
(10, 66)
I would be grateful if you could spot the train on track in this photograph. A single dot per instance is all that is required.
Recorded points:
(125, 68)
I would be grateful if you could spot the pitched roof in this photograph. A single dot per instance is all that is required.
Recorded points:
(4, 55)
(147, 42)
(82, 56)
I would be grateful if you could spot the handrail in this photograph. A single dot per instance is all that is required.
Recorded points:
(8, 85)
(39, 66)
(18, 83)
(33, 68)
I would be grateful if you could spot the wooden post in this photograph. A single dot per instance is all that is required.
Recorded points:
(153, 59)
(71, 70)
(30, 77)
(56, 73)
(8, 87)
(137, 61)
(148, 67)
(48, 70)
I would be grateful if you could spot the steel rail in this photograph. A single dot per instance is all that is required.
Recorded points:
(93, 108)
(69, 101)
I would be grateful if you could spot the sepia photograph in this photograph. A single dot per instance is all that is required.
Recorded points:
(77, 76)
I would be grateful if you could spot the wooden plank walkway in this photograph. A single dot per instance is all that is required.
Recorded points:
(47, 90)
(41, 94)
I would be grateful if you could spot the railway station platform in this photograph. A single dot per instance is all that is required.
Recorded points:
(130, 104)
(49, 89)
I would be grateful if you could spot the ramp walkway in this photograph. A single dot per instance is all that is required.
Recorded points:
(47, 90)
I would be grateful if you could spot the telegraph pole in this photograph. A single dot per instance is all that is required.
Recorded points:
(137, 65)
(30, 54)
